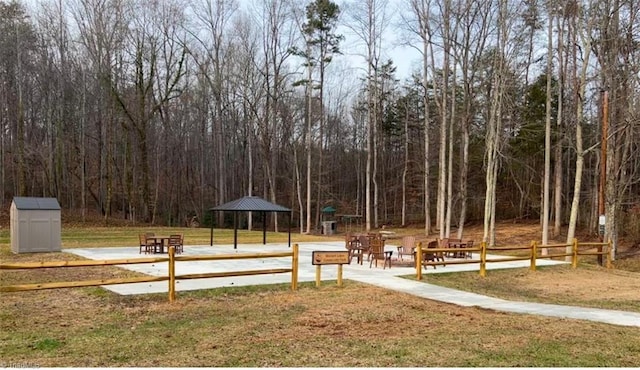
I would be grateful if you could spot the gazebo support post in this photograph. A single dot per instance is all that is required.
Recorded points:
(290, 220)
(264, 227)
(212, 221)
(235, 230)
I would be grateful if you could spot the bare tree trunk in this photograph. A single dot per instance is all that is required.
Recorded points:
(494, 127)
(559, 136)
(368, 21)
(374, 175)
(547, 140)
(83, 152)
(421, 10)
(442, 153)
(449, 209)
(21, 180)
(405, 168)
(309, 89)
(298, 190)
(427, 192)
(580, 86)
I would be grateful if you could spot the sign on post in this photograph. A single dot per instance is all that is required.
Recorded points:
(602, 220)
(319, 258)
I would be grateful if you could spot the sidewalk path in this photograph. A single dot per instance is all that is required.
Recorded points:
(385, 278)
(461, 298)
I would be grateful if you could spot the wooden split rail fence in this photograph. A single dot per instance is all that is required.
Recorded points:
(577, 249)
(171, 278)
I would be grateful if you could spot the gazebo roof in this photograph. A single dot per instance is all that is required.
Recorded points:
(328, 209)
(251, 204)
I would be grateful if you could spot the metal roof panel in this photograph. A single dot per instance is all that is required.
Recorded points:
(36, 203)
(250, 204)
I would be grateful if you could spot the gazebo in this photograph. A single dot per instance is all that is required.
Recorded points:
(250, 204)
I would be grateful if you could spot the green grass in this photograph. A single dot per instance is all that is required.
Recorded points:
(47, 344)
(88, 237)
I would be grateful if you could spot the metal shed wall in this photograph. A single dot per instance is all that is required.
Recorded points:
(35, 225)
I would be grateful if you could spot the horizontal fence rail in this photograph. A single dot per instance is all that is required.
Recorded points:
(535, 249)
(171, 278)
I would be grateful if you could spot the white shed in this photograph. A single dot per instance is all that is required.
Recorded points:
(35, 225)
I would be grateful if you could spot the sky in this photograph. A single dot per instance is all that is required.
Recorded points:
(404, 57)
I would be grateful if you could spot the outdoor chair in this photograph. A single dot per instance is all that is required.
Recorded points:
(444, 243)
(363, 240)
(377, 253)
(408, 247)
(147, 243)
(353, 246)
(431, 256)
(143, 243)
(457, 244)
(176, 241)
(468, 244)
(433, 244)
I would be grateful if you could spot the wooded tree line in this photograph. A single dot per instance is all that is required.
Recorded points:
(155, 111)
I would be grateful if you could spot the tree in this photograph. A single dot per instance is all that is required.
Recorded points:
(213, 17)
(578, 15)
(420, 26)
(368, 22)
(277, 42)
(321, 44)
(475, 28)
(547, 138)
(616, 50)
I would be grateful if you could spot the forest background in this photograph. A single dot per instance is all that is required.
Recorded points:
(155, 111)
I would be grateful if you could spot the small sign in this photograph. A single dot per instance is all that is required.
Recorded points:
(330, 258)
(601, 224)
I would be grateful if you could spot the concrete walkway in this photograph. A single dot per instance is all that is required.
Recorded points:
(461, 298)
(384, 278)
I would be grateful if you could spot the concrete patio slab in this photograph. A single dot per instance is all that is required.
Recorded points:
(306, 269)
(377, 276)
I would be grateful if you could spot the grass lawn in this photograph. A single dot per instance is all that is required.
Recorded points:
(353, 326)
(587, 286)
(120, 236)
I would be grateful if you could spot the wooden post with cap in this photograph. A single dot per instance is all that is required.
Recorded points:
(172, 274)
(419, 261)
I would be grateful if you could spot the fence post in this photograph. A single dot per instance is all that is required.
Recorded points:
(419, 261)
(172, 274)
(609, 253)
(534, 254)
(318, 275)
(294, 268)
(483, 259)
(574, 262)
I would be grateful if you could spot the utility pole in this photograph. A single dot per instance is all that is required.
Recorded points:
(603, 171)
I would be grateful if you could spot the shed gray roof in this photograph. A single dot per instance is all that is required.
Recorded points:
(30, 203)
(250, 204)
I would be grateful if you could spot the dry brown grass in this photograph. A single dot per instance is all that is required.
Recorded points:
(357, 325)
(354, 326)
(587, 285)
